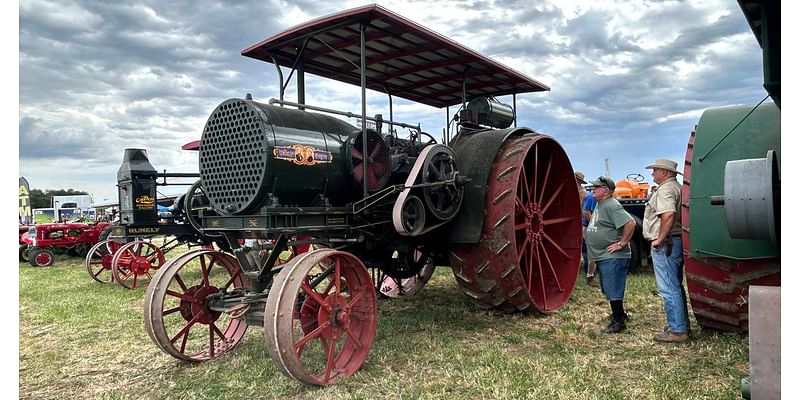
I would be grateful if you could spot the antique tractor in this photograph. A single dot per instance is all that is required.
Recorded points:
(76, 239)
(497, 203)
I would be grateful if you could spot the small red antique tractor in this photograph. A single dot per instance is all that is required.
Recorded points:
(75, 238)
(498, 203)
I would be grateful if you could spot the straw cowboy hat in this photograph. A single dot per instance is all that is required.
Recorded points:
(663, 163)
(580, 177)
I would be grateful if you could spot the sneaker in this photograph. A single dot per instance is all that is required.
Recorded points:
(591, 282)
(614, 327)
(671, 337)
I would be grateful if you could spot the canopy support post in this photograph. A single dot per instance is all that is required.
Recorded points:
(362, 28)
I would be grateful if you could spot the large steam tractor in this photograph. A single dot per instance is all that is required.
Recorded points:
(498, 203)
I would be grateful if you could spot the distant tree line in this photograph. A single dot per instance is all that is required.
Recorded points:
(44, 199)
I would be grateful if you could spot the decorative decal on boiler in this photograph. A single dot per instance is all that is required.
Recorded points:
(302, 155)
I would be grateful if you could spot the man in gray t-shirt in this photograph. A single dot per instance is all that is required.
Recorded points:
(607, 241)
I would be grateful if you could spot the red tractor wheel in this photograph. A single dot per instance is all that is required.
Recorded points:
(176, 315)
(41, 257)
(321, 317)
(719, 287)
(530, 246)
(133, 264)
(24, 252)
(98, 260)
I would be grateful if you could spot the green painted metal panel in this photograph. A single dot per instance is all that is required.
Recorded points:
(759, 132)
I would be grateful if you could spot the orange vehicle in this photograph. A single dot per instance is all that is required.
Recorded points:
(632, 187)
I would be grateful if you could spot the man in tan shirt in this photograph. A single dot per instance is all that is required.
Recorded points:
(662, 227)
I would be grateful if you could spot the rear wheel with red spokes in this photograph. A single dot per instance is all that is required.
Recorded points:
(530, 245)
(321, 317)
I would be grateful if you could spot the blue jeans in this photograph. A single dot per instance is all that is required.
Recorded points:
(669, 281)
(613, 273)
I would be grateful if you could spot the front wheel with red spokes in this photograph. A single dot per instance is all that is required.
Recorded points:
(177, 313)
(321, 317)
(134, 264)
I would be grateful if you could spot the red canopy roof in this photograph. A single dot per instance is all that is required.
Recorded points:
(403, 58)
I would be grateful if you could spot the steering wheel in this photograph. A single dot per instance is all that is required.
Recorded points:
(635, 177)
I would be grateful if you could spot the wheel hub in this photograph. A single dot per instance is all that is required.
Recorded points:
(193, 304)
(338, 317)
(107, 261)
(140, 265)
(533, 220)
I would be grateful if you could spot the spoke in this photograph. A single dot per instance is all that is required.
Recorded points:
(298, 347)
(522, 248)
(150, 277)
(544, 184)
(541, 278)
(315, 296)
(535, 169)
(95, 262)
(125, 277)
(523, 179)
(553, 270)
(203, 270)
(337, 278)
(211, 265)
(520, 227)
(557, 220)
(549, 239)
(135, 277)
(353, 337)
(531, 258)
(180, 282)
(520, 205)
(182, 296)
(329, 362)
(99, 271)
(219, 332)
(171, 310)
(184, 331)
(553, 197)
(355, 299)
(183, 342)
(152, 257)
(233, 278)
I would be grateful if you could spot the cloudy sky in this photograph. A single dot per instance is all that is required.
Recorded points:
(628, 79)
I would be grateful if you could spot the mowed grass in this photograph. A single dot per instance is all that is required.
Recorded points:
(80, 339)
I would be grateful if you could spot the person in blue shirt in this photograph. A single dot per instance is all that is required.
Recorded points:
(589, 203)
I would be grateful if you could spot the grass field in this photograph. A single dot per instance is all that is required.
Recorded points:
(80, 339)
